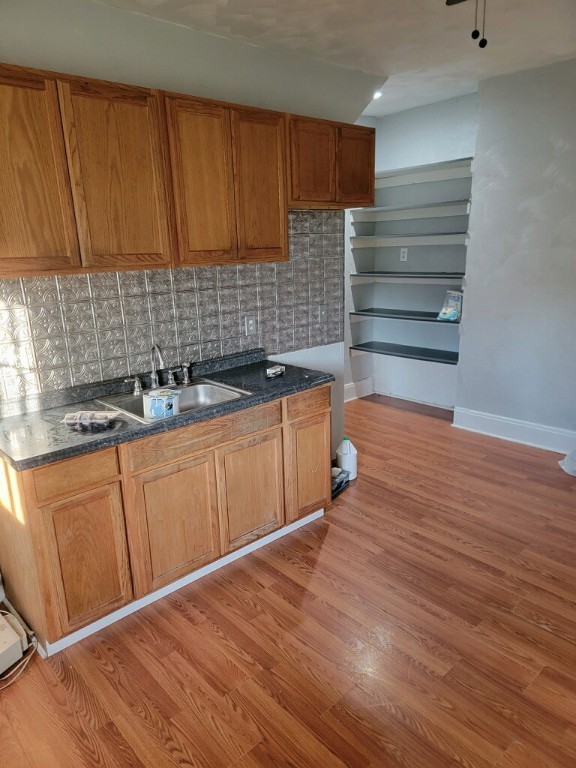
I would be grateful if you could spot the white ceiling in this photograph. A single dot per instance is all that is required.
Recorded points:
(421, 48)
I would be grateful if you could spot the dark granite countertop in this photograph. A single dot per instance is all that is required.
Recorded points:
(36, 435)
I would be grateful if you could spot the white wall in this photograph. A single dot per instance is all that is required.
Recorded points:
(517, 371)
(327, 358)
(85, 38)
(430, 134)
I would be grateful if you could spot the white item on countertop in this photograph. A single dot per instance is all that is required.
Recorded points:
(161, 403)
(347, 458)
(90, 421)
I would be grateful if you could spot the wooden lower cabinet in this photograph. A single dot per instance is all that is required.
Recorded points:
(86, 549)
(82, 537)
(172, 522)
(250, 479)
(308, 485)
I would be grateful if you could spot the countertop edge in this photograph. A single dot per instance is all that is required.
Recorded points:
(138, 431)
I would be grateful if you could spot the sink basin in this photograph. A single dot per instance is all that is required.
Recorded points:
(199, 394)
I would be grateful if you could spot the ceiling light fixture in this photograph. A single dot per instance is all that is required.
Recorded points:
(377, 95)
(476, 33)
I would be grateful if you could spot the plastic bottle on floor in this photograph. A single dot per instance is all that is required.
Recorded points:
(347, 457)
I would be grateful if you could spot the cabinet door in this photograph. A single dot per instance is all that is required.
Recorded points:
(312, 161)
(356, 165)
(308, 484)
(88, 556)
(117, 160)
(250, 486)
(37, 227)
(259, 182)
(172, 520)
(201, 154)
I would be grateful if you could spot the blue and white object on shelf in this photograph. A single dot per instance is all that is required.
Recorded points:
(452, 309)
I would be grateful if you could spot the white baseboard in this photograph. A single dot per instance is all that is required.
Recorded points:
(50, 649)
(526, 432)
(358, 389)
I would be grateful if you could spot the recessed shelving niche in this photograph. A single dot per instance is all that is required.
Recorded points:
(408, 251)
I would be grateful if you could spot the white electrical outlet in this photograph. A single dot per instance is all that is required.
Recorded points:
(251, 325)
(403, 254)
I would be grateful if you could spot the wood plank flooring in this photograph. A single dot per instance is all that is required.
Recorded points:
(428, 621)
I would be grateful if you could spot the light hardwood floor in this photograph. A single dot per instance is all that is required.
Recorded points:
(428, 621)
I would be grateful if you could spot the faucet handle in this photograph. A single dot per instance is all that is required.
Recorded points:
(137, 384)
(186, 373)
(171, 372)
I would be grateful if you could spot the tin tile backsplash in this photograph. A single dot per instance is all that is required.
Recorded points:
(74, 329)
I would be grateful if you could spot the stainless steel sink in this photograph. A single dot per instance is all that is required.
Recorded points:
(198, 394)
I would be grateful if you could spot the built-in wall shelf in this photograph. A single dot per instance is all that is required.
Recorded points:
(402, 350)
(408, 240)
(401, 314)
(400, 213)
(452, 278)
(422, 174)
(408, 250)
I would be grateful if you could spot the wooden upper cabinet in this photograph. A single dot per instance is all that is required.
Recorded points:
(201, 155)
(258, 145)
(37, 228)
(313, 167)
(331, 164)
(116, 152)
(356, 165)
(229, 186)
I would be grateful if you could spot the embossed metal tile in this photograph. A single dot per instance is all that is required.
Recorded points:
(108, 313)
(11, 294)
(186, 304)
(14, 325)
(79, 317)
(206, 278)
(132, 283)
(55, 378)
(159, 280)
(136, 310)
(228, 299)
(83, 347)
(227, 276)
(188, 331)
(40, 290)
(162, 308)
(210, 349)
(104, 285)
(139, 339)
(209, 328)
(73, 287)
(247, 274)
(46, 321)
(51, 353)
(84, 373)
(266, 296)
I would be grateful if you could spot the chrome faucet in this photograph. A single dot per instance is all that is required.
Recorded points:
(157, 360)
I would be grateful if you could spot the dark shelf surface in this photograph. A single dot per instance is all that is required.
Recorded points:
(403, 314)
(450, 275)
(415, 353)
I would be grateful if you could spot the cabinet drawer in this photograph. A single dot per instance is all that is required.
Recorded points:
(68, 477)
(179, 443)
(308, 403)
